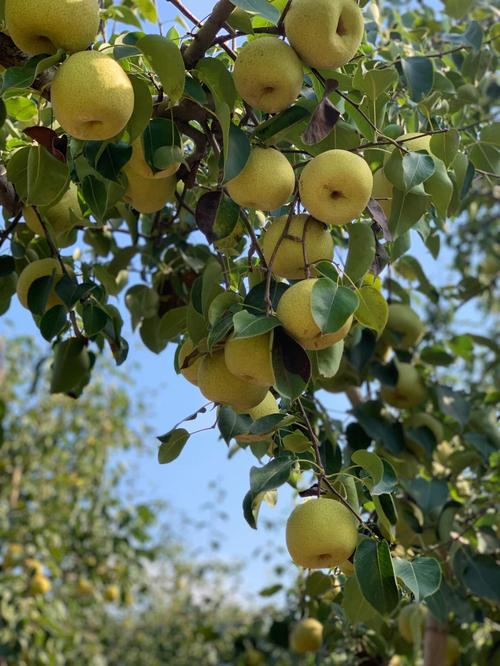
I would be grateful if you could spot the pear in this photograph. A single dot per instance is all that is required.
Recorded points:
(219, 385)
(250, 359)
(267, 74)
(321, 533)
(306, 636)
(138, 164)
(409, 390)
(421, 420)
(325, 34)
(44, 26)
(404, 328)
(452, 650)
(190, 372)
(112, 593)
(306, 238)
(267, 407)
(266, 181)
(61, 216)
(295, 314)
(38, 269)
(92, 96)
(411, 621)
(39, 584)
(148, 195)
(335, 186)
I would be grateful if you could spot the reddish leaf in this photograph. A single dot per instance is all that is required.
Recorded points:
(47, 138)
(377, 213)
(324, 118)
(206, 213)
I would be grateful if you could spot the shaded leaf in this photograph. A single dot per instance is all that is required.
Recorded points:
(171, 445)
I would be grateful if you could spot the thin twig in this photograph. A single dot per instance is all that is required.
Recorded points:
(253, 236)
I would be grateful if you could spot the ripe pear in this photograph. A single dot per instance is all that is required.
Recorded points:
(92, 96)
(409, 390)
(266, 181)
(315, 244)
(306, 636)
(34, 271)
(138, 164)
(347, 568)
(112, 593)
(325, 34)
(404, 328)
(267, 74)
(452, 650)
(294, 312)
(413, 615)
(219, 385)
(190, 372)
(61, 216)
(250, 359)
(321, 533)
(335, 186)
(44, 26)
(148, 195)
(267, 407)
(39, 584)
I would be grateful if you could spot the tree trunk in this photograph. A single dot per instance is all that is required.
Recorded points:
(434, 642)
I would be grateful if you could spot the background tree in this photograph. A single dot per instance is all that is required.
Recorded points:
(177, 148)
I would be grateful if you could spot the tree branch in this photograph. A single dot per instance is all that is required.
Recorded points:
(10, 55)
(434, 642)
(204, 37)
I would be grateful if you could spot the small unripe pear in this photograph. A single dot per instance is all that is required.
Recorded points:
(409, 390)
(404, 327)
(307, 636)
(411, 621)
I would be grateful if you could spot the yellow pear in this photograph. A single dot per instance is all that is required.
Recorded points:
(413, 615)
(416, 144)
(219, 385)
(425, 420)
(267, 407)
(84, 587)
(250, 359)
(139, 165)
(347, 568)
(190, 372)
(404, 328)
(112, 593)
(266, 181)
(306, 238)
(268, 74)
(295, 314)
(321, 533)
(148, 195)
(409, 390)
(44, 26)
(92, 96)
(324, 33)
(335, 186)
(34, 271)
(306, 636)
(39, 584)
(452, 650)
(61, 216)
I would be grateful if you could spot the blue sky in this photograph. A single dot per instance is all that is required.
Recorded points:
(184, 484)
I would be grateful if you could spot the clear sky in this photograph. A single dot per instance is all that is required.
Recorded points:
(185, 483)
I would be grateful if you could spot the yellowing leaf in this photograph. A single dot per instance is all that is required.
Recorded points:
(373, 309)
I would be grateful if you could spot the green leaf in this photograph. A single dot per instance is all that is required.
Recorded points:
(485, 157)
(373, 310)
(173, 323)
(251, 506)
(231, 424)
(21, 76)
(215, 75)
(53, 322)
(272, 475)
(445, 145)
(3, 113)
(376, 81)
(281, 122)
(357, 608)
(327, 361)
(331, 305)
(171, 445)
(160, 133)
(165, 58)
(375, 574)
(94, 318)
(361, 251)
(479, 573)
(143, 107)
(422, 576)
(247, 325)
(457, 9)
(39, 292)
(440, 188)
(71, 365)
(417, 168)
(47, 177)
(406, 211)
(237, 153)
(419, 74)
(371, 463)
(429, 495)
(150, 334)
(260, 7)
(292, 367)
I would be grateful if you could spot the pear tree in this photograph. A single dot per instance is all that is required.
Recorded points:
(266, 171)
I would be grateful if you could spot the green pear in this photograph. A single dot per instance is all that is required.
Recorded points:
(404, 328)
(266, 181)
(267, 74)
(44, 26)
(325, 34)
(138, 163)
(148, 195)
(92, 96)
(335, 186)
(409, 390)
(61, 216)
